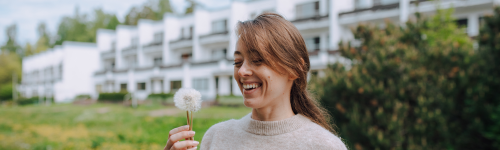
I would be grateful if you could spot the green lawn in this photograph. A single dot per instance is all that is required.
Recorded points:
(101, 126)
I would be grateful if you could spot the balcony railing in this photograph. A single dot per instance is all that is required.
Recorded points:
(215, 37)
(374, 8)
(108, 54)
(153, 47)
(130, 50)
(181, 43)
(315, 18)
(214, 33)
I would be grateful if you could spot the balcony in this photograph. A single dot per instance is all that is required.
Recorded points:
(153, 47)
(312, 22)
(108, 54)
(215, 38)
(184, 42)
(131, 50)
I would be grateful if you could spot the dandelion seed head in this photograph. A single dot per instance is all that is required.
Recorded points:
(188, 99)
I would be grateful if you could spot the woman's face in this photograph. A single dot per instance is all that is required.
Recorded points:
(261, 85)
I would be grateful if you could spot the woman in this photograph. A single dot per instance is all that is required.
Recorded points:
(271, 65)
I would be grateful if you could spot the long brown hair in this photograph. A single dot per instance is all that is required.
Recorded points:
(279, 44)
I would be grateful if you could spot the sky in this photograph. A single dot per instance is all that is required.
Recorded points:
(27, 14)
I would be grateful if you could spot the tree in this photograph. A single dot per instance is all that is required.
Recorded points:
(9, 63)
(11, 45)
(152, 10)
(489, 49)
(409, 87)
(82, 28)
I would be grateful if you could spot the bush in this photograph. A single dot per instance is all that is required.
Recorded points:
(82, 96)
(5, 92)
(27, 101)
(413, 87)
(113, 97)
(160, 96)
(489, 109)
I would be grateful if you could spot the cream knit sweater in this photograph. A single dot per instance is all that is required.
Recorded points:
(297, 132)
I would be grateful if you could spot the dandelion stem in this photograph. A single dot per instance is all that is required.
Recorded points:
(189, 124)
(192, 138)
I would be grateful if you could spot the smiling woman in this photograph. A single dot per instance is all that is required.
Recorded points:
(271, 65)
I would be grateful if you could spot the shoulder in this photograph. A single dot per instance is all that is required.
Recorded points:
(221, 125)
(322, 138)
(212, 132)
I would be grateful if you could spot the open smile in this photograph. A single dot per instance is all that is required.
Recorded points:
(250, 88)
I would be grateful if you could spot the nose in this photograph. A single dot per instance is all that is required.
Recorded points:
(245, 70)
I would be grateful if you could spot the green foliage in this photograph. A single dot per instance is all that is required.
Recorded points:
(82, 28)
(11, 45)
(412, 87)
(5, 92)
(10, 63)
(28, 101)
(160, 95)
(153, 11)
(489, 49)
(114, 97)
(83, 96)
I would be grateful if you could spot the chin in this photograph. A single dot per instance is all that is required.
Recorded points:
(252, 102)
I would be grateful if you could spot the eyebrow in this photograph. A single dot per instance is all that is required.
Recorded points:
(237, 53)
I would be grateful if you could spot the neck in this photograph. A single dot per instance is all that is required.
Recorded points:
(278, 111)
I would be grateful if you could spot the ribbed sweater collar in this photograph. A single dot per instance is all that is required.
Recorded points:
(270, 128)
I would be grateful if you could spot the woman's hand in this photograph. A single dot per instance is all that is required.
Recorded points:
(177, 134)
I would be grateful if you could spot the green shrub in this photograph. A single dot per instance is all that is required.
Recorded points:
(412, 87)
(5, 92)
(489, 108)
(113, 97)
(83, 96)
(27, 101)
(160, 95)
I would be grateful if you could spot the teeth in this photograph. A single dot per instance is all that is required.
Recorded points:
(250, 86)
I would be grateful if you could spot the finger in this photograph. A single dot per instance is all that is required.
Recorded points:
(178, 129)
(184, 144)
(181, 135)
(171, 142)
(194, 148)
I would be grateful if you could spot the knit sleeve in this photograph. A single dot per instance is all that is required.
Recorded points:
(210, 136)
(206, 142)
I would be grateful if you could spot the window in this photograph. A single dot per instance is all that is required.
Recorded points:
(186, 56)
(113, 46)
(219, 26)
(312, 44)
(109, 64)
(134, 42)
(157, 61)
(190, 32)
(462, 24)
(200, 84)
(98, 88)
(307, 10)
(141, 86)
(131, 61)
(360, 4)
(386, 2)
(219, 54)
(123, 87)
(175, 85)
(158, 37)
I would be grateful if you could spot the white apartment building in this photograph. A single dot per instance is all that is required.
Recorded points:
(196, 50)
(60, 73)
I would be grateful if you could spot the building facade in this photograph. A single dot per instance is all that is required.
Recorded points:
(196, 50)
(60, 73)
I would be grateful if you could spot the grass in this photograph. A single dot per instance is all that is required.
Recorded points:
(101, 126)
